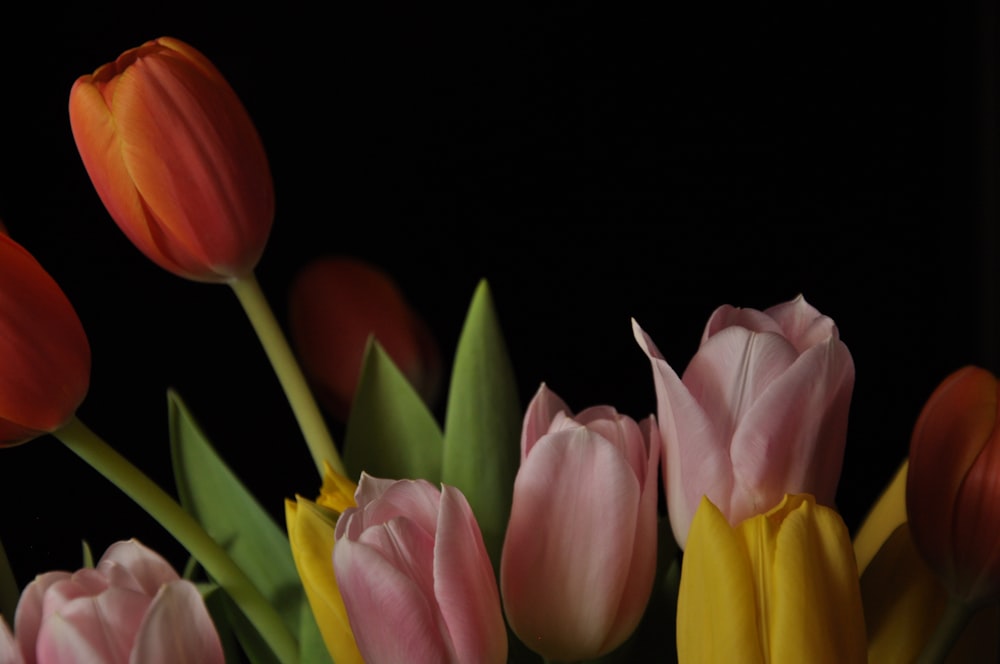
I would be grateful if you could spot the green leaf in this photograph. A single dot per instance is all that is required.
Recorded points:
(220, 607)
(210, 491)
(390, 432)
(8, 589)
(483, 422)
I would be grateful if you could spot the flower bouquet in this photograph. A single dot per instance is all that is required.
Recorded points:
(706, 532)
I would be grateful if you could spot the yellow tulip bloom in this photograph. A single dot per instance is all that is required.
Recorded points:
(779, 587)
(311, 528)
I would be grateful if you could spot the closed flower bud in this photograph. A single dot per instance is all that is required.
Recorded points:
(335, 304)
(953, 484)
(43, 349)
(176, 160)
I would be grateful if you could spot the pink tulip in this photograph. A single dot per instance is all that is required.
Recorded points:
(415, 577)
(132, 607)
(579, 556)
(760, 412)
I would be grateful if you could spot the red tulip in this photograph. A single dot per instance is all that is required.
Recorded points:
(953, 484)
(334, 305)
(176, 160)
(43, 350)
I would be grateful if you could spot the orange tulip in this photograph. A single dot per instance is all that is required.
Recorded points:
(953, 484)
(176, 160)
(334, 305)
(43, 350)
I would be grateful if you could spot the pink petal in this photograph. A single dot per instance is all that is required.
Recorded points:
(381, 500)
(407, 547)
(730, 316)
(792, 438)
(129, 564)
(391, 617)
(537, 419)
(622, 432)
(177, 629)
(10, 652)
(82, 583)
(703, 459)
(28, 615)
(92, 629)
(569, 543)
(465, 584)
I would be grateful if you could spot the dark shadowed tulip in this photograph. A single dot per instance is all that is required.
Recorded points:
(334, 305)
(176, 160)
(43, 349)
(953, 484)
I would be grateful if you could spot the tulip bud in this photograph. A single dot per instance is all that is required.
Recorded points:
(761, 411)
(131, 607)
(415, 577)
(579, 557)
(953, 484)
(43, 350)
(779, 587)
(176, 160)
(334, 305)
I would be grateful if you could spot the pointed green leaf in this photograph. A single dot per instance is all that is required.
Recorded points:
(233, 517)
(390, 433)
(8, 589)
(483, 422)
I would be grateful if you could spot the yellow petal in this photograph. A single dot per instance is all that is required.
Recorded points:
(716, 605)
(311, 535)
(888, 513)
(337, 492)
(808, 590)
(781, 587)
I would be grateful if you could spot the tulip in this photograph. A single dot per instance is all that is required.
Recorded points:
(311, 534)
(43, 350)
(335, 303)
(780, 587)
(953, 484)
(131, 607)
(761, 411)
(415, 577)
(176, 160)
(579, 557)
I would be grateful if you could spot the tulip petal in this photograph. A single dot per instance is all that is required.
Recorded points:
(537, 419)
(465, 584)
(371, 585)
(791, 440)
(131, 565)
(702, 461)
(802, 324)
(716, 604)
(29, 613)
(381, 500)
(954, 426)
(812, 601)
(177, 629)
(10, 652)
(311, 536)
(575, 492)
(93, 628)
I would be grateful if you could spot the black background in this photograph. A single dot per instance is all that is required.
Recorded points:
(593, 164)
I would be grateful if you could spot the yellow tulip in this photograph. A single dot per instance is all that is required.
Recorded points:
(311, 528)
(779, 587)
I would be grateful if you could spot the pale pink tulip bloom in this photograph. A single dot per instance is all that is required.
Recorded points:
(579, 555)
(760, 412)
(131, 608)
(415, 576)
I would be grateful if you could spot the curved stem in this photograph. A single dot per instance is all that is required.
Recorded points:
(179, 523)
(949, 628)
(289, 373)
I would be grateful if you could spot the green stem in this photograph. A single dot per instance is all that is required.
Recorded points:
(949, 628)
(289, 373)
(179, 523)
